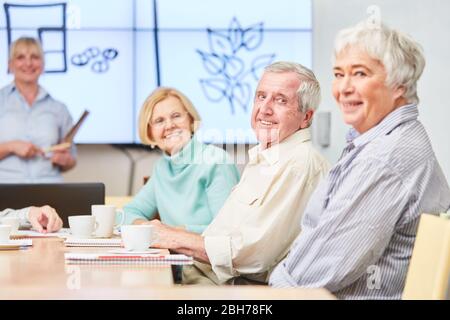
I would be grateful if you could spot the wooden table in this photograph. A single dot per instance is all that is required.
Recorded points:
(33, 272)
(40, 272)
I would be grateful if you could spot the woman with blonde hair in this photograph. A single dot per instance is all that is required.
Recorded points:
(30, 120)
(191, 181)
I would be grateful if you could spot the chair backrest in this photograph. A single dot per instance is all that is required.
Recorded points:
(429, 268)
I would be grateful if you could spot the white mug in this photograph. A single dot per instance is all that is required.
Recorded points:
(5, 231)
(14, 222)
(105, 216)
(82, 226)
(137, 237)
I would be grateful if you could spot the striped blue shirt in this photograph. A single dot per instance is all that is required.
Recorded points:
(360, 224)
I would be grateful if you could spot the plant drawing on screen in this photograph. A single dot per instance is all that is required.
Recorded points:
(107, 56)
(100, 59)
(227, 70)
(56, 54)
(51, 27)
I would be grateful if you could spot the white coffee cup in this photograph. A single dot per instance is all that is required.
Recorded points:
(5, 231)
(105, 216)
(14, 222)
(82, 226)
(137, 237)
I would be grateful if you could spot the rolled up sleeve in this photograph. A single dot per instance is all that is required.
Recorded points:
(219, 253)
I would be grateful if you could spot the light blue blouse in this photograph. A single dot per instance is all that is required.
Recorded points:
(44, 123)
(187, 189)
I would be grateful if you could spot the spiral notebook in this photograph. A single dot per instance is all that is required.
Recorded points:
(92, 242)
(22, 242)
(16, 244)
(111, 258)
(30, 234)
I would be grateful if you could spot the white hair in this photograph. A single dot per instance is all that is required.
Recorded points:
(309, 90)
(401, 56)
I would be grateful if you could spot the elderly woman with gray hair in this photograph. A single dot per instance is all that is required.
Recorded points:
(359, 227)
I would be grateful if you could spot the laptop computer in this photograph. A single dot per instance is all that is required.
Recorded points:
(68, 199)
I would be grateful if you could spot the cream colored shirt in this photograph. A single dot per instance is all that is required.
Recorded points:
(261, 218)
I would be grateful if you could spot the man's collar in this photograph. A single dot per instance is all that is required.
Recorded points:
(285, 148)
(390, 122)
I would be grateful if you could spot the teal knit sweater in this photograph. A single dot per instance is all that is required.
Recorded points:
(186, 189)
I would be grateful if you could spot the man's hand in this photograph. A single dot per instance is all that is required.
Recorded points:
(44, 219)
(24, 149)
(163, 235)
(179, 240)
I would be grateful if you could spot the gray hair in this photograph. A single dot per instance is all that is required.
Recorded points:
(309, 90)
(401, 56)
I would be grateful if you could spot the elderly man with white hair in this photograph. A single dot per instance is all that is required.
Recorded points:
(258, 222)
(360, 224)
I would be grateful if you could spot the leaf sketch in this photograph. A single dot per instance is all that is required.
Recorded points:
(234, 66)
(252, 37)
(229, 76)
(259, 63)
(235, 34)
(212, 62)
(214, 89)
(219, 43)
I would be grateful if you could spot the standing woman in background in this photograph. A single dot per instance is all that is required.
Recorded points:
(30, 119)
(190, 183)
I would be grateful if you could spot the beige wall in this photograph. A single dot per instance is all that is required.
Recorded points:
(122, 169)
(113, 167)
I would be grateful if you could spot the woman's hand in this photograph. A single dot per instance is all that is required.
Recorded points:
(24, 149)
(44, 219)
(63, 159)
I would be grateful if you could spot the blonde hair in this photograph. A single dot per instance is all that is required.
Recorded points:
(147, 108)
(27, 42)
